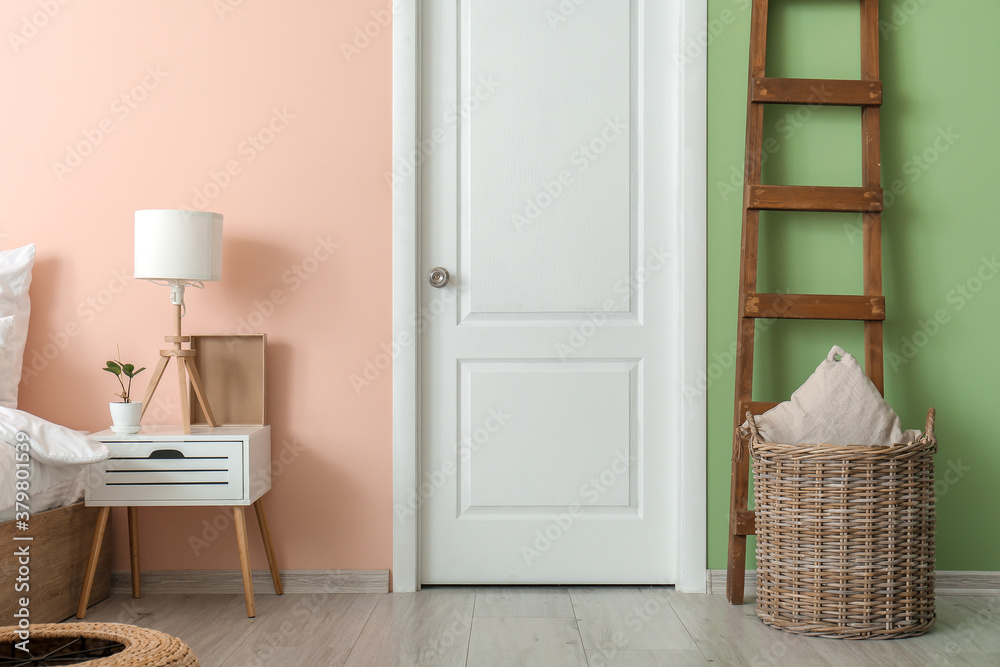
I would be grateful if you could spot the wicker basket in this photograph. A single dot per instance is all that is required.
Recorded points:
(845, 537)
(96, 645)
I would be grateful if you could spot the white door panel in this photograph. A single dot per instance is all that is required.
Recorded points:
(551, 405)
(550, 152)
(542, 451)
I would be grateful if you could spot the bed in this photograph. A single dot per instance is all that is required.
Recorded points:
(45, 531)
(58, 557)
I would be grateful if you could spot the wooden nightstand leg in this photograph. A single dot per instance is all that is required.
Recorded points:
(240, 520)
(133, 550)
(95, 551)
(265, 533)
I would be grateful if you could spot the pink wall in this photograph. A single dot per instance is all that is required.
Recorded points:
(158, 100)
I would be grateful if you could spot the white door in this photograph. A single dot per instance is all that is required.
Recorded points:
(551, 401)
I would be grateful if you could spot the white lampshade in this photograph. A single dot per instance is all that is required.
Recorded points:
(178, 245)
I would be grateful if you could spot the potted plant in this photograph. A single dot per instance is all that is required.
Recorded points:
(125, 414)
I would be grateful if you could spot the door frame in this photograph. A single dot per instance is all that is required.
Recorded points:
(406, 288)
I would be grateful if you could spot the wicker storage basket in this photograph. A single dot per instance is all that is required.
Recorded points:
(96, 645)
(845, 537)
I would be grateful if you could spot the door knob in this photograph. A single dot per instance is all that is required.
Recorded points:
(438, 277)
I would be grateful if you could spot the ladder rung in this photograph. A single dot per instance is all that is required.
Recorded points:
(814, 198)
(833, 92)
(814, 306)
(745, 522)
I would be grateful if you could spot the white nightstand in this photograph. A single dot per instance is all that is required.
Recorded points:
(161, 466)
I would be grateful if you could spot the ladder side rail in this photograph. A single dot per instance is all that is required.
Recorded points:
(871, 175)
(740, 477)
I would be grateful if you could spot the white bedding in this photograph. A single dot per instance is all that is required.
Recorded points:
(57, 461)
(15, 307)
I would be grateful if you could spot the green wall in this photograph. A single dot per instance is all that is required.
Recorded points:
(941, 237)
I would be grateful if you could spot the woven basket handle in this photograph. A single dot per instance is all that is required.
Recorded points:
(929, 430)
(753, 426)
(743, 433)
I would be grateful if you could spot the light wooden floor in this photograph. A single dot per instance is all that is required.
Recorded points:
(550, 627)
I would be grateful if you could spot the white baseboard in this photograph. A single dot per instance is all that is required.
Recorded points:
(946, 582)
(962, 582)
(230, 582)
(225, 582)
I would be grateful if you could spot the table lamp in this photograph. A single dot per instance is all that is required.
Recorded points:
(179, 249)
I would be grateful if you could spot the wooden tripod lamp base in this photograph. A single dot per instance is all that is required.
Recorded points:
(186, 371)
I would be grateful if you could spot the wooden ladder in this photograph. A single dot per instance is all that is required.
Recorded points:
(867, 199)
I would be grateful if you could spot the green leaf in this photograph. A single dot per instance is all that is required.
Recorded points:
(113, 367)
(128, 369)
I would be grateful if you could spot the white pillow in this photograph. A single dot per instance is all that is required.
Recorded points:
(837, 405)
(6, 334)
(6, 329)
(15, 278)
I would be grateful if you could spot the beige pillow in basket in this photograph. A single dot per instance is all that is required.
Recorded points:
(837, 405)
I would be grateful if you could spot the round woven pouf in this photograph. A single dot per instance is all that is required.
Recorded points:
(95, 645)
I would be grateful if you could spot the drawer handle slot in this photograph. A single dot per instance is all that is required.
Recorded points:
(167, 454)
(166, 483)
(162, 470)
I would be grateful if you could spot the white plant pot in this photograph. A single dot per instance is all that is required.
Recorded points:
(125, 417)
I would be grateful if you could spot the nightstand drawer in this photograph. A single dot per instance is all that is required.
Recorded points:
(169, 471)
